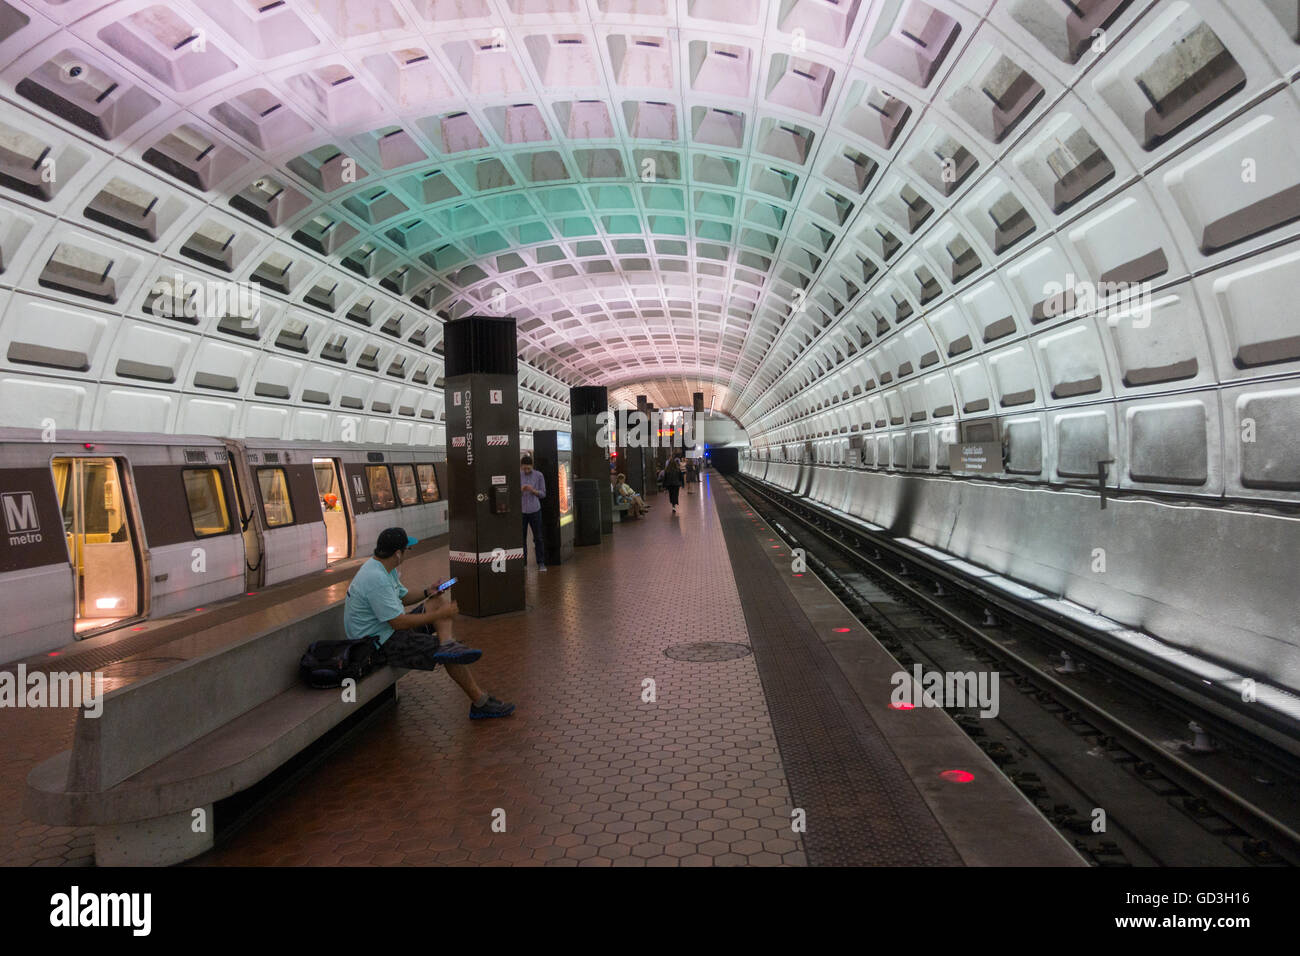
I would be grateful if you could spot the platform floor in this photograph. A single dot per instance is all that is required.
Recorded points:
(590, 772)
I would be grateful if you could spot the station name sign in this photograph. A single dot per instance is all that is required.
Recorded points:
(979, 458)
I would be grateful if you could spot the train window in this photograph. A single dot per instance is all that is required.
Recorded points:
(207, 500)
(381, 487)
(327, 484)
(407, 492)
(275, 496)
(428, 482)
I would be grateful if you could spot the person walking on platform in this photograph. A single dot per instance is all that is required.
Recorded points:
(691, 476)
(673, 481)
(532, 486)
(417, 638)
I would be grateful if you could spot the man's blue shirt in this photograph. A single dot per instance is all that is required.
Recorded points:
(374, 598)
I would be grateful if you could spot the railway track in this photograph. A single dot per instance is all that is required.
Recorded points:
(1100, 745)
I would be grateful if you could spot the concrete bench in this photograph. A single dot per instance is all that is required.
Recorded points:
(177, 742)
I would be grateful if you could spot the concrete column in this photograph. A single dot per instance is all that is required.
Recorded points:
(588, 415)
(482, 403)
(640, 464)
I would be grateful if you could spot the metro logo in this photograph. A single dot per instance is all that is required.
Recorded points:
(21, 519)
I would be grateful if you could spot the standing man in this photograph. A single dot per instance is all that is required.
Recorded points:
(532, 487)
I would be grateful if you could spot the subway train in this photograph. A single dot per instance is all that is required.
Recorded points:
(106, 530)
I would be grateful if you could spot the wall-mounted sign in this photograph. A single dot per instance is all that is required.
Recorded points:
(498, 479)
(494, 396)
(981, 458)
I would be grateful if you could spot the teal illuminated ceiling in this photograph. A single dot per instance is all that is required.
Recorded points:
(753, 199)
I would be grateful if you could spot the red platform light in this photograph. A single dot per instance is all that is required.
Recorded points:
(840, 630)
(903, 706)
(53, 654)
(798, 575)
(958, 776)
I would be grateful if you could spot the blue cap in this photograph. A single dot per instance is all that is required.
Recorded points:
(392, 540)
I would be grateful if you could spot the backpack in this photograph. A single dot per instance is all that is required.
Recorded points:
(329, 663)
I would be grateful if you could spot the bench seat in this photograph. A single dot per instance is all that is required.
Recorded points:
(219, 765)
(147, 772)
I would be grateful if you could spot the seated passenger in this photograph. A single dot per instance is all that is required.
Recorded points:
(619, 500)
(408, 638)
(623, 496)
(636, 504)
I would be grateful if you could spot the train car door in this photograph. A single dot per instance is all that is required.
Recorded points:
(103, 544)
(249, 519)
(333, 506)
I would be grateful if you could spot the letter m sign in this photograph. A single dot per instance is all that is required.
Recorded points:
(20, 512)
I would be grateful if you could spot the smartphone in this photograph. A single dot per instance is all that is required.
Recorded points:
(446, 584)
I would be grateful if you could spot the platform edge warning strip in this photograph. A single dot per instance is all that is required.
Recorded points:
(862, 807)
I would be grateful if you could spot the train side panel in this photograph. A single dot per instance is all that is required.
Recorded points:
(36, 583)
(194, 573)
(196, 554)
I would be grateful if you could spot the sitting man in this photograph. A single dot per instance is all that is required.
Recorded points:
(374, 608)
